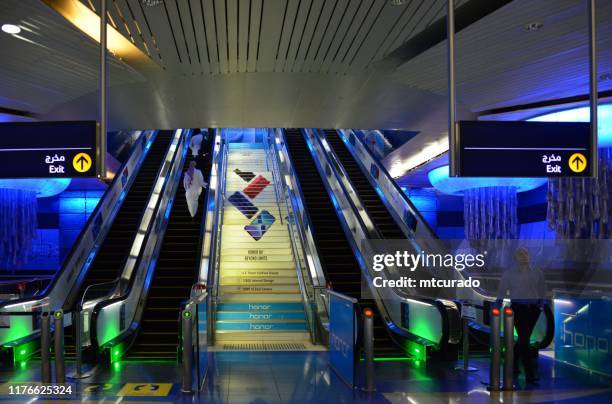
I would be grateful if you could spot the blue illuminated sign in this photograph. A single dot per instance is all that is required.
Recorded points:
(49, 149)
(582, 333)
(523, 149)
(342, 336)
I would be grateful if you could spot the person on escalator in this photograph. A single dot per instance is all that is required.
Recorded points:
(524, 286)
(196, 142)
(193, 181)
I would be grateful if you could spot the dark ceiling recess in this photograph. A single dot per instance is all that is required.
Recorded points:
(17, 112)
(545, 103)
(465, 15)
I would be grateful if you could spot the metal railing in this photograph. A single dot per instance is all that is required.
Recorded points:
(193, 330)
(212, 265)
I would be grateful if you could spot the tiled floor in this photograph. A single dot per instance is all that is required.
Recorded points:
(304, 377)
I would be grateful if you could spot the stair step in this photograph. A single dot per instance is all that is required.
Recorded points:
(261, 306)
(257, 255)
(259, 272)
(262, 336)
(261, 245)
(261, 326)
(242, 280)
(258, 289)
(263, 297)
(260, 316)
(257, 265)
(237, 229)
(245, 237)
(237, 253)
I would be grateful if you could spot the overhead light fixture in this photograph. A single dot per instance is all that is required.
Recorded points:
(11, 29)
(399, 2)
(533, 26)
(88, 22)
(152, 3)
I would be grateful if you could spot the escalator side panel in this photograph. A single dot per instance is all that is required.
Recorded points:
(109, 262)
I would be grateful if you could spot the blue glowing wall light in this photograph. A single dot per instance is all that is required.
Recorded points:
(44, 188)
(440, 179)
(582, 114)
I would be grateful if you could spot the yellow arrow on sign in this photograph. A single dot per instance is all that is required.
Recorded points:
(577, 162)
(82, 162)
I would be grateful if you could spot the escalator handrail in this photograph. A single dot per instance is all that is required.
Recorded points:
(148, 137)
(141, 269)
(354, 200)
(303, 220)
(203, 221)
(383, 170)
(217, 229)
(208, 237)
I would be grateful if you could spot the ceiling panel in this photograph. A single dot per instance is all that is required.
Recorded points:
(141, 23)
(231, 18)
(244, 27)
(290, 13)
(158, 22)
(297, 38)
(328, 36)
(313, 22)
(271, 28)
(500, 63)
(198, 31)
(177, 28)
(210, 29)
(313, 65)
(221, 20)
(256, 15)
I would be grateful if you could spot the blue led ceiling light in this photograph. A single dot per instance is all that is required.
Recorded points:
(44, 188)
(583, 114)
(439, 178)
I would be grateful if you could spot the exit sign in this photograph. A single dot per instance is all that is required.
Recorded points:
(524, 149)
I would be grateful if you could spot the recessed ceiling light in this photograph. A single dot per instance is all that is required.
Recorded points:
(533, 26)
(152, 3)
(11, 29)
(398, 2)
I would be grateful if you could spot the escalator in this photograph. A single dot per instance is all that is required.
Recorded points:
(378, 212)
(111, 257)
(175, 272)
(339, 262)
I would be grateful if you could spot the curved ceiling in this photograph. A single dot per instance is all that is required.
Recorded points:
(294, 63)
(221, 62)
